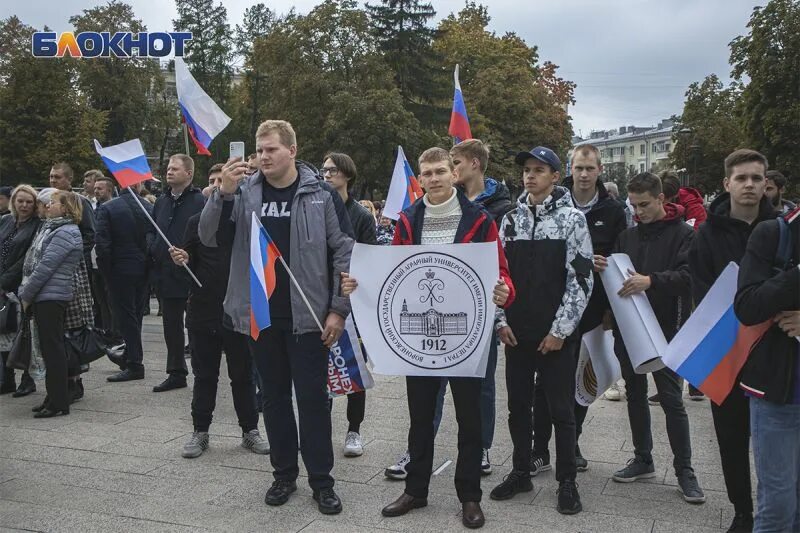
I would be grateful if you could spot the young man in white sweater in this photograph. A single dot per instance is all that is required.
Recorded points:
(444, 216)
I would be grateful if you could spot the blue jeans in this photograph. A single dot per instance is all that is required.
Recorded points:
(776, 447)
(487, 399)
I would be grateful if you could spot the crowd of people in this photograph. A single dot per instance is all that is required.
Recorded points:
(71, 261)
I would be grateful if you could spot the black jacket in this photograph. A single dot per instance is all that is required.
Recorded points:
(172, 215)
(720, 240)
(11, 267)
(362, 220)
(212, 267)
(495, 198)
(87, 230)
(765, 290)
(121, 239)
(661, 250)
(606, 220)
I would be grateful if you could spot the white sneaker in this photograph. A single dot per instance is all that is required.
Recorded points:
(353, 445)
(613, 394)
(398, 471)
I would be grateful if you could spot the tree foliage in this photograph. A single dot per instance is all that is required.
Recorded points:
(769, 57)
(44, 118)
(513, 102)
(708, 130)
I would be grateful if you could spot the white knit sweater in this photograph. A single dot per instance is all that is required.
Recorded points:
(441, 221)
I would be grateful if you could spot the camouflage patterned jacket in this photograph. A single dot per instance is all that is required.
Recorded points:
(549, 253)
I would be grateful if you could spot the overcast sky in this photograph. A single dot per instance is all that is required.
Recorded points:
(632, 59)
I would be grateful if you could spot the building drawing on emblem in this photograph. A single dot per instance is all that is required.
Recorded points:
(432, 323)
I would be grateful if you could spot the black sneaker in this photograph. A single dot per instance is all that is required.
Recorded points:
(327, 501)
(279, 492)
(128, 374)
(742, 523)
(689, 487)
(515, 482)
(569, 502)
(581, 464)
(635, 469)
(539, 464)
(486, 464)
(696, 394)
(654, 399)
(171, 383)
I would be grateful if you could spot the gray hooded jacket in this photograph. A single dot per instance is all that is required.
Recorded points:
(321, 243)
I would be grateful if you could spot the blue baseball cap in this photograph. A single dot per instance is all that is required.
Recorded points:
(545, 155)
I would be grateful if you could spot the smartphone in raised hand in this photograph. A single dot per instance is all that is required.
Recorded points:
(237, 150)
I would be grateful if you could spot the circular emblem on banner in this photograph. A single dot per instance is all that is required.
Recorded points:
(432, 310)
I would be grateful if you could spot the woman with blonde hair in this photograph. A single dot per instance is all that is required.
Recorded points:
(17, 231)
(47, 288)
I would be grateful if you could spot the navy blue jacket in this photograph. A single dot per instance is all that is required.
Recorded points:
(172, 215)
(121, 236)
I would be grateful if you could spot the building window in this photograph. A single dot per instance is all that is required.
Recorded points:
(630, 150)
(622, 150)
(641, 151)
(666, 147)
(655, 148)
(641, 167)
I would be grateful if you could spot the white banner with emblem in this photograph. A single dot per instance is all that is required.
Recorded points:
(426, 310)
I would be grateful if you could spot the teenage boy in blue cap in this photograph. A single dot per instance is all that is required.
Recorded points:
(549, 252)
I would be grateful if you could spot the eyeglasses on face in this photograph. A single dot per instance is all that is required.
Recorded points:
(333, 171)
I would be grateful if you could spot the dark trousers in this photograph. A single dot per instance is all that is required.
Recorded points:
(356, 407)
(173, 310)
(557, 370)
(422, 392)
(49, 317)
(206, 359)
(543, 424)
(285, 359)
(670, 392)
(732, 425)
(130, 294)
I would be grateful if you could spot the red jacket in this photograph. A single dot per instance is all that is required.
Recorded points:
(692, 202)
(475, 226)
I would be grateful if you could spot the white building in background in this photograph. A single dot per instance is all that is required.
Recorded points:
(631, 149)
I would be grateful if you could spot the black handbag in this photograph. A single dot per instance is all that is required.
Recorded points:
(20, 355)
(85, 345)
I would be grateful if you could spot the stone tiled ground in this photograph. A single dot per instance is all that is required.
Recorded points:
(114, 465)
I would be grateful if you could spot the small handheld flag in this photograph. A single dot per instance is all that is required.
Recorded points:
(712, 346)
(404, 189)
(263, 254)
(126, 162)
(459, 123)
(204, 119)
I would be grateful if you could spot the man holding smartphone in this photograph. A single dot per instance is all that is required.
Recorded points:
(308, 223)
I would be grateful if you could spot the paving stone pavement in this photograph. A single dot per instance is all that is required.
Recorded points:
(114, 464)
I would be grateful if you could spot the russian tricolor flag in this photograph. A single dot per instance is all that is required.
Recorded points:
(204, 119)
(712, 346)
(459, 123)
(404, 189)
(263, 254)
(126, 162)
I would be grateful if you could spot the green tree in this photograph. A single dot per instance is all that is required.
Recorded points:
(256, 24)
(44, 118)
(405, 37)
(513, 102)
(769, 57)
(707, 131)
(122, 87)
